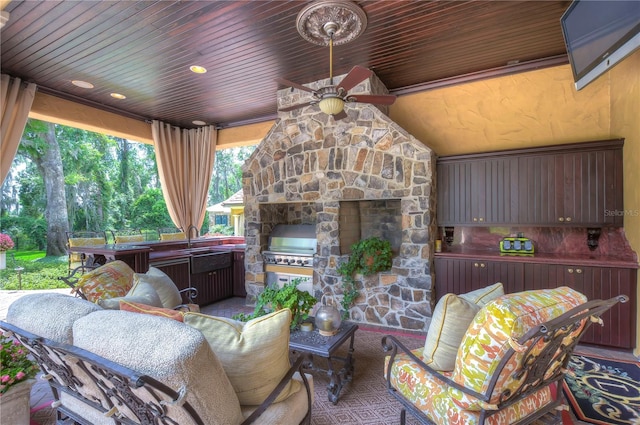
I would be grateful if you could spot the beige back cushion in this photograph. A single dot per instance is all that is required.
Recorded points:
(255, 355)
(173, 236)
(128, 238)
(451, 318)
(164, 286)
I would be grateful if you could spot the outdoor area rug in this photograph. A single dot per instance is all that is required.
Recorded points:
(603, 391)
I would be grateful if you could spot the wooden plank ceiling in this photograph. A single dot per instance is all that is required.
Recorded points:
(143, 49)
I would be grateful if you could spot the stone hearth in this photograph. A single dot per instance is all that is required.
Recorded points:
(308, 165)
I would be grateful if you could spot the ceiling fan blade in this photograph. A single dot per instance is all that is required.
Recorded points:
(301, 105)
(340, 115)
(354, 77)
(294, 85)
(376, 99)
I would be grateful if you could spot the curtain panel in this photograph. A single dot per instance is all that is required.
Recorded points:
(185, 161)
(17, 99)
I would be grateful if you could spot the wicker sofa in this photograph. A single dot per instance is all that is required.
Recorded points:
(121, 367)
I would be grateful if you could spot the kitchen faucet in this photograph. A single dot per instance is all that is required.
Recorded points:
(189, 229)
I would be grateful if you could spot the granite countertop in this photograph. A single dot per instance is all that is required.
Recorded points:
(547, 258)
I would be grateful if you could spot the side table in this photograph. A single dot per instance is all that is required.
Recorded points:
(325, 346)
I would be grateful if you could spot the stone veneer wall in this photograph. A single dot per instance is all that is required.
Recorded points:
(308, 163)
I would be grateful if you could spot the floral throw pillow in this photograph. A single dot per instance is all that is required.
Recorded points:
(113, 279)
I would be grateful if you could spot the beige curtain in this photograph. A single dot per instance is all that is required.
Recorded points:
(16, 103)
(185, 161)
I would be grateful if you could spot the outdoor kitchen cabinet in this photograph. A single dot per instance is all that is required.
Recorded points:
(564, 185)
(460, 275)
(239, 289)
(177, 269)
(212, 276)
(594, 282)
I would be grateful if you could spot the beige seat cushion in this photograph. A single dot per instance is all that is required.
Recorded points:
(169, 351)
(255, 355)
(451, 318)
(164, 286)
(142, 293)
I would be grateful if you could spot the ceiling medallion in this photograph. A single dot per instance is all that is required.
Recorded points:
(349, 19)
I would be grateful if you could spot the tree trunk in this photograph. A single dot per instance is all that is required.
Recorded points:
(56, 210)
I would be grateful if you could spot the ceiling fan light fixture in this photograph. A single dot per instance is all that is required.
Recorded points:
(331, 105)
(198, 69)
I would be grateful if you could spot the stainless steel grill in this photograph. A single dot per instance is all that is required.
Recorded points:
(290, 255)
(291, 245)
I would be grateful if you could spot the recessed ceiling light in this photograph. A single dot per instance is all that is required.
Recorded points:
(198, 69)
(199, 122)
(118, 96)
(83, 84)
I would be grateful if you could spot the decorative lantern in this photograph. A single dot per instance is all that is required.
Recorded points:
(328, 319)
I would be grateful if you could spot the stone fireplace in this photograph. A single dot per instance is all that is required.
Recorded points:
(353, 178)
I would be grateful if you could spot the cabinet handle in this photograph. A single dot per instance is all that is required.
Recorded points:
(482, 265)
(570, 270)
(578, 271)
(560, 219)
(568, 219)
(481, 219)
(475, 218)
(476, 265)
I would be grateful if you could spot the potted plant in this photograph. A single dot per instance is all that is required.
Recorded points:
(368, 256)
(16, 373)
(5, 244)
(289, 296)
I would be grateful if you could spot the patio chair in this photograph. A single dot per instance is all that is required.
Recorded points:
(171, 234)
(127, 235)
(508, 367)
(82, 238)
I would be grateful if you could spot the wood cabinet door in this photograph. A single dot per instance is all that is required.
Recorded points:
(213, 286)
(454, 193)
(459, 276)
(595, 283)
(477, 192)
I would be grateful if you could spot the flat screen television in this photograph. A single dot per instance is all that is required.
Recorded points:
(599, 34)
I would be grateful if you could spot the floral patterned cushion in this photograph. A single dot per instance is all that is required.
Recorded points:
(431, 396)
(114, 279)
(494, 330)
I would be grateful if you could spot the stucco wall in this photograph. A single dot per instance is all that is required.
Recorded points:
(625, 122)
(536, 108)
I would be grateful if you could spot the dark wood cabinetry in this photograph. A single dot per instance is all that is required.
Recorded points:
(577, 185)
(460, 275)
(177, 269)
(213, 277)
(239, 289)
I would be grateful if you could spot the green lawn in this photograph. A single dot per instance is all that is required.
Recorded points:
(37, 271)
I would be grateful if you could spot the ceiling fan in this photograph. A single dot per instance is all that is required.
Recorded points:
(331, 98)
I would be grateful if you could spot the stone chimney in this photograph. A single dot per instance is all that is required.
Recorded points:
(363, 175)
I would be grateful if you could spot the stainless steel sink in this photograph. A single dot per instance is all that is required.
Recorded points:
(209, 261)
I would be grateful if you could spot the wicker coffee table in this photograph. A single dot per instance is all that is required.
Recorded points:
(340, 369)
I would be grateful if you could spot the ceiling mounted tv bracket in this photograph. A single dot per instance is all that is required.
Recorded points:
(343, 21)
